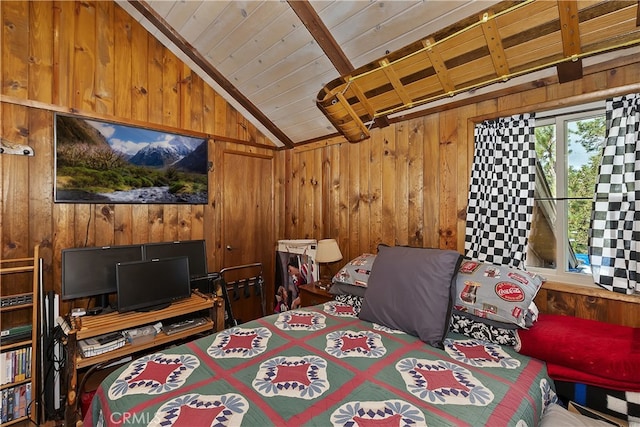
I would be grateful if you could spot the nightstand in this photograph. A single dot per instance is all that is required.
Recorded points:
(310, 294)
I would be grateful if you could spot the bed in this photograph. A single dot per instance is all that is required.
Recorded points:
(323, 366)
(331, 365)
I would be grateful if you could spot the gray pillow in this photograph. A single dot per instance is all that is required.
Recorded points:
(412, 289)
(338, 288)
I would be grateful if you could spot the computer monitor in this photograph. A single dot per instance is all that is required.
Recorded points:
(91, 271)
(152, 284)
(194, 250)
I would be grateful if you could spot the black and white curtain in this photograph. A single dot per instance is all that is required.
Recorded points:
(614, 235)
(501, 192)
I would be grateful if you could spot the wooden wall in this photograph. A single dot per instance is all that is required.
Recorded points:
(408, 183)
(92, 58)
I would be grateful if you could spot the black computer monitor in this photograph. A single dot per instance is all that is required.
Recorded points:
(152, 284)
(91, 271)
(194, 250)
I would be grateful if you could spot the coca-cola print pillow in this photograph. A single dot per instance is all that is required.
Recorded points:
(353, 278)
(496, 292)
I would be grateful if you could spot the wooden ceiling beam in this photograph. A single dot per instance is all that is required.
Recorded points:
(569, 71)
(382, 121)
(321, 35)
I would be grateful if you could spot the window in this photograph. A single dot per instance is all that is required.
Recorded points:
(568, 146)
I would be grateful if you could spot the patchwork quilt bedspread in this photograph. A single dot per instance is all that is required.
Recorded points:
(322, 366)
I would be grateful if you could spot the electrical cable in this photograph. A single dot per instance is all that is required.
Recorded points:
(56, 367)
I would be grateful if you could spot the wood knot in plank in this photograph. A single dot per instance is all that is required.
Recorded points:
(538, 83)
(107, 213)
(445, 232)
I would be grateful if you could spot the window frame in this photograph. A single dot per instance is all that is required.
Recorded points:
(559, 117)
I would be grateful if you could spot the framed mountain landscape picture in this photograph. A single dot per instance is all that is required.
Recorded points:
(103, 162)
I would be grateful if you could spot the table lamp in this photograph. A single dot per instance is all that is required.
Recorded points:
(327, 252)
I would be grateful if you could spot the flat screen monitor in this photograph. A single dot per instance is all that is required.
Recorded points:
(91, 272)
(195, 250)
(152, 284)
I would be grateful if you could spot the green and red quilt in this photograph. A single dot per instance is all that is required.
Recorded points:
(322, 366)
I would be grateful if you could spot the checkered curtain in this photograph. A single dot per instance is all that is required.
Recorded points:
(614, 235)
(501, 191)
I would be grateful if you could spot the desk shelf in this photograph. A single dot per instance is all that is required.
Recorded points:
(92, 326)
(105, 323)
(127, 349)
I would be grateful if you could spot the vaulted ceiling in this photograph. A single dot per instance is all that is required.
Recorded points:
(277, 61)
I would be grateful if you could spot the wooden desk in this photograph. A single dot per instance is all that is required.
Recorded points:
(111, 322)
(310, 294)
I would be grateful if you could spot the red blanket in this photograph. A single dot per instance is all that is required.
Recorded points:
(585, 351)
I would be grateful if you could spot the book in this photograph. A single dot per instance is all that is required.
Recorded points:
(20, 366)
(7, 367)
(10, 396)
(16, 330)
(3, 407)
(15, 365)
(16, 402)
(3, 369)
(16, 333)
(27, 397)
(22, 401)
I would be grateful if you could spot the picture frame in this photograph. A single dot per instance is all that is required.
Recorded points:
(98, 161)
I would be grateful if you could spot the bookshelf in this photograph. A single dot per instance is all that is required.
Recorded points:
(20, 279)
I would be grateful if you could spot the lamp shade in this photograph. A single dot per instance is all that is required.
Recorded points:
(328, 251)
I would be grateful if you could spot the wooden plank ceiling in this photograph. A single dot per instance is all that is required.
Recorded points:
(302, 70)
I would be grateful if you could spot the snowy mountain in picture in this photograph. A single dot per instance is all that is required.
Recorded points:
(164, 153)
